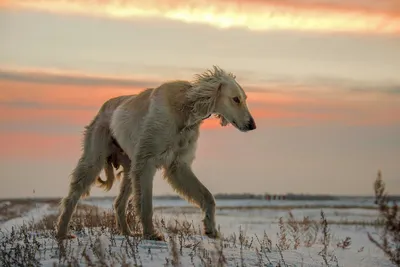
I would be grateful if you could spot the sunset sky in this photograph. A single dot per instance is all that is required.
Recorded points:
(322, 78)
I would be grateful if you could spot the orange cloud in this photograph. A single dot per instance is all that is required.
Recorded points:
(64, 90)
(53, 116)
(211, 123)
(60, 94)
(38, 146)
(310, 15)
(53, 105)
(60, 100)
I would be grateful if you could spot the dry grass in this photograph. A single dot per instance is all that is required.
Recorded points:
(10, 210)
(389, 235)
(31, 244)
(22, 247)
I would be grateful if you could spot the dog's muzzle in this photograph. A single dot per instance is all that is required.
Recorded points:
(251, 125)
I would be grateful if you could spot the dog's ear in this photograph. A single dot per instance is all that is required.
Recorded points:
(222, 120)
(218, 93)
(219, 88)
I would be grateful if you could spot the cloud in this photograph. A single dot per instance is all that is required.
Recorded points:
(33, 146)
(312, 15)
(72, 78)
(253, 81)
(62, 104)
(50, 116)
(44, 118)
(44, 90)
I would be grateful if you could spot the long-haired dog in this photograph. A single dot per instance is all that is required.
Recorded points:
(155, 129)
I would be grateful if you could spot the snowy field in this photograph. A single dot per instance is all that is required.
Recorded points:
(254, 233)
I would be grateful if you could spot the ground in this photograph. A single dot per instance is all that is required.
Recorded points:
(254, 233)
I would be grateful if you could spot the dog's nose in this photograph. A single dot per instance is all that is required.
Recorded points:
(251, 125)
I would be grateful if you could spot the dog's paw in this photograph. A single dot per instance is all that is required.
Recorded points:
(61, 237)
(212, 233)
(209, 227)
(154, 236)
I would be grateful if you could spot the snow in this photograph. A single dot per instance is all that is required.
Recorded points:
(33, 215)
(253, 223)
(106, 203)
(4, 204)
(262, 211)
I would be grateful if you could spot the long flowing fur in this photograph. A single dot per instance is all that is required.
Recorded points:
(203, 94)
(155, 129)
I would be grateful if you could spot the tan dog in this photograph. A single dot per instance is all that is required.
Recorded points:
(155, 129)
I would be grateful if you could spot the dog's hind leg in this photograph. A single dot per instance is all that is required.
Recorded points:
(123, 196)
(95, 152)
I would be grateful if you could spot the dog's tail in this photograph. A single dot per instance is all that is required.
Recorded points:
(109, 166)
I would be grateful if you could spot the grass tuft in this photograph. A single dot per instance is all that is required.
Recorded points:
(388, 239)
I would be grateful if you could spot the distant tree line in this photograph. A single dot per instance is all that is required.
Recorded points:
(289, 196)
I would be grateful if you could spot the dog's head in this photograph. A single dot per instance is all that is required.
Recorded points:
(231, 106)
(217, 92)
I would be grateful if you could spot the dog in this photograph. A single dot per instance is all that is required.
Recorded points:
(157, 128)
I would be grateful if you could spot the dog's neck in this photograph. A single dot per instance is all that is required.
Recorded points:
(191, 120)
(194, 121)
(194, 109)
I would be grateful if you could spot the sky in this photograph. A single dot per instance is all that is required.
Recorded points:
(322, 78)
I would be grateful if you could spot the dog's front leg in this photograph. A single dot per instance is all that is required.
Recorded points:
(142, 174)
(184, 181)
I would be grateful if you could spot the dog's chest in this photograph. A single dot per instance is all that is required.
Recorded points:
(186, 140)
(182, 147)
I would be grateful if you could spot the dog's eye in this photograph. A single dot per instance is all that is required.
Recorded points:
(236, 99)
